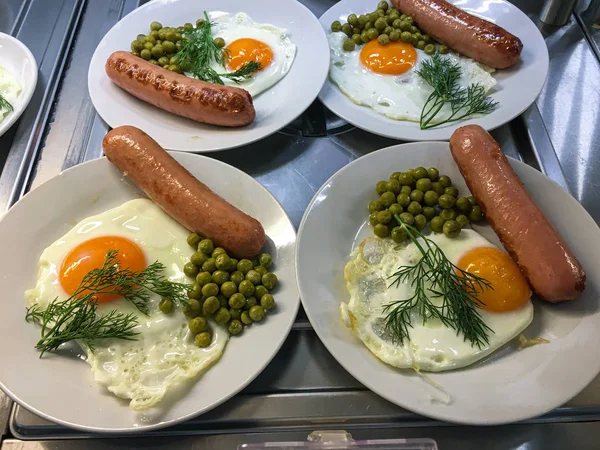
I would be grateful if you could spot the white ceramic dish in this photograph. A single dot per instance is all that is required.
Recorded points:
(509, 385)
(62, 389)
(20, 63)
(517, 87)
(275, 108)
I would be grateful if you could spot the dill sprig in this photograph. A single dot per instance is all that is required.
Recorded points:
(199, 49)
(75, 317)
(443, 76)
(434, 276)
(5, 104)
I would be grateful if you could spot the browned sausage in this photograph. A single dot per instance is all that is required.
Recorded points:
(526, 233)
(203, 102)
(471, 36)
(180, 195)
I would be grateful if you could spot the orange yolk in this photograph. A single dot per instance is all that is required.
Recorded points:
(245, 50)
(91, 254)
(510, 290)
(393, 59)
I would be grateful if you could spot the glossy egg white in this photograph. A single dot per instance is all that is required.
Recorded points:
(432, 346)
(9, 89)
(398, 97)
(164, 354)
(237, 26)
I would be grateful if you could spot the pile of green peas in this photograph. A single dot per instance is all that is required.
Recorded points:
(420, 196)
(231, 292)
(161, 44)
(385, 24)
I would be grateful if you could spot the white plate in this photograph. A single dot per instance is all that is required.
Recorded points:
(61, 389)
(20, 63)
(275, 108)
(508, 386)
(517, 86)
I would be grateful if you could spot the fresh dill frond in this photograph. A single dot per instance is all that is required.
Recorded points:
(435, 276)
(75, 318)
(443, 76)
(199, 50)
(5, 104)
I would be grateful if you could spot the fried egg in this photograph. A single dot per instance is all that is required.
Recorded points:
(246, 41)
(433, 346)
(383, 77)
(164, 354)
(9, 89)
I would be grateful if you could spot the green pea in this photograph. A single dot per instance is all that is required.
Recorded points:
(421, 45)
(446, 201)
(223, 301)
(188, 26)
(421, 172)
(199, 23)
(414, 208)
(472, 200)
(155, 26)
(393, 185)
(170, 36)
(195, 291)
(420, 221)
(431, 198)
(413, 40)
(407, 218)
(141, 37)
(250, 302)
(253, 277)
(192, 309)
(148, 46)
(165, 305)
(336, 26)
(381, 187)
(433, 173)
(462, 220)
(405, 190)
(368, 25)
(451, 191)
(267, 302)
(405, 27)
(209, 265)
(476, 215)
(406, 179)
(375, 206)
(445, 181)
(203, 339)
(223, 262)
(218, 251)
(168, 47)
(381, 230)
(269, 280)
(394, 36)
(219, 42)
(372, 33)
(203, 278)
(397, 23)
(257, 313)
(349, 45)
(403, 200)
(451, 228)
(244, 266)
(383, 39)
(416, 196)
(356, 38)
(235, 327)
(399, 234)
(443, 49)
(211, 304)
(228, 289)
(173, 62)
(246, 288)
(406, 36)
(220, 276)
(222, 316)
(198, 325)
(197, 259)
(352, 19)
(395, 209)
(260, 290)
(134, 53)
(206, 246)
(190, 270)
(261, 270)
(384, 216)
(424, 184)
(380, 24)
(426, 38)
(236, 277)
(246, 320)
(373, 219)
(137, 45)
(409, 20)
(347, 29)
(437, 187)
(237, 301)
(362, 19)
(463, 205)
(210, 289)
(448, 214)
(374, 16)
(235, 314)
(429, 212)
(163, 61)
(150, 39)
(413, 30)
(437, 224)
(387, 30)
(429, 49)
(179, 45)
(383, 5)
(157, 51)
(387, 198)
(364, 37)
(146, 54)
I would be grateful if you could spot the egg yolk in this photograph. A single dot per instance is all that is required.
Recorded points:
(245, 50)
(510, 290)
(395, 58)
(91, 255)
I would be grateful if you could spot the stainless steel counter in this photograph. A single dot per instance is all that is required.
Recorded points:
(304, 388)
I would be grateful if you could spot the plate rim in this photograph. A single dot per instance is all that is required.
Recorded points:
(164, 424)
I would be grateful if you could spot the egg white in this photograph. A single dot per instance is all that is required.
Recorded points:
(164, 354)
(10, 90)
(398, 97)
(233, 27)
(432, 346)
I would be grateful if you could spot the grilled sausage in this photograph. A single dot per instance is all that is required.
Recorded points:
(471, 36)
(526, 233)
(197, 100)
(180, 195)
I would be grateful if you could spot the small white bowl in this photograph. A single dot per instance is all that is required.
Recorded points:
(20, 63)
